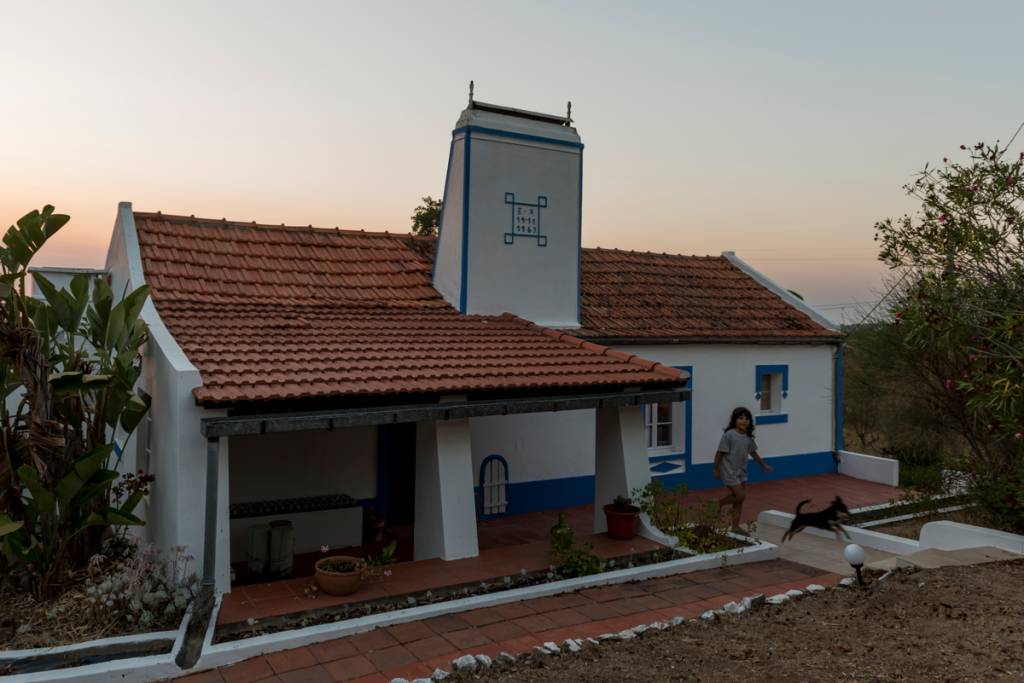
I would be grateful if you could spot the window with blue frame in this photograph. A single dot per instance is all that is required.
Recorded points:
(771, 390)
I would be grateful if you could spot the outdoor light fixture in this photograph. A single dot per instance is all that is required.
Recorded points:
(854, 554)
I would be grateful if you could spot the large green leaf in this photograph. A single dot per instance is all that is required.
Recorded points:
(9, 526)
(41, 498)
(64, 383)
(28, 236)
(82, 472)
(134, 410)
(109, 516)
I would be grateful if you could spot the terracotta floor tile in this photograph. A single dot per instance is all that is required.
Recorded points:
(596, 611)
(377, 639)
(350, 668)
(409, 672)
(467, 638)
(391, 657)
(567, 617)
(331, 650)
(310, 674)
(513, 610)
(503, 630)
(535, 623)
(247, 671)
(410, 631)
(482, 617)
(372, 678)
(287, 660)
(434, 646)
(446, 623)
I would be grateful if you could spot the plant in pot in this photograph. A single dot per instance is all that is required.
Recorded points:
(621, 516)
(340, 574)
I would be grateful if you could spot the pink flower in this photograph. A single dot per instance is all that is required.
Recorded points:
(324, 548)
(1018, 436)
(899, 314)
(387, 572)
(949, 385)
(943, 218)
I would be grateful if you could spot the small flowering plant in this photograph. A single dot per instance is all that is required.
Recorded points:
(377, 567)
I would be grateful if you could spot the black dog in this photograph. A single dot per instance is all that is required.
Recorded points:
(827, 519)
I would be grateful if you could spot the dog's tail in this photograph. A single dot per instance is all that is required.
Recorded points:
(801, 504)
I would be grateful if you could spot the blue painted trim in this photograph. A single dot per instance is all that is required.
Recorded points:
(480, 487)
(772, 369)
(554, 494)
(579, 246)
(465, 221)
(688, 409)
(771, 419)
(669, 456)
(517, 136)
(444, 202)
(839, 399)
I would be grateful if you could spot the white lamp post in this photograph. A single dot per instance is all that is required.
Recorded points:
(854, 554)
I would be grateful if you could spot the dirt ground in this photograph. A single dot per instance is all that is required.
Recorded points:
(949, 624)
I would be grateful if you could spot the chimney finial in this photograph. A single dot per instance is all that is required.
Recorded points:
(471, 92)
(568, 114)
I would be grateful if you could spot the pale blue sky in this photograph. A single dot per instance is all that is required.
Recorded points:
(781, 131)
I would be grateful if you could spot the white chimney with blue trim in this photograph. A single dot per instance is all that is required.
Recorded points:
(510, 226)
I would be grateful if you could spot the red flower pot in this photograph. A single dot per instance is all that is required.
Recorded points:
(621, 521)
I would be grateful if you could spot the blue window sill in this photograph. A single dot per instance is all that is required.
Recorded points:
(771, 419)
(662, 458)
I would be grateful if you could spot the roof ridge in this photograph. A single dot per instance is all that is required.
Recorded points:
(633, 359)
(222, 222)
(654, 253)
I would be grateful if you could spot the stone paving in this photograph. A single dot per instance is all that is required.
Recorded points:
(415, 649)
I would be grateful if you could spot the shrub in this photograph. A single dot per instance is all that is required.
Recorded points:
(699, 527)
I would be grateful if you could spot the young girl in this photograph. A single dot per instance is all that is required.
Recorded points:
(731, 461)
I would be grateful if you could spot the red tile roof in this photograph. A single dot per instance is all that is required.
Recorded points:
(271, 313)
(645, 296)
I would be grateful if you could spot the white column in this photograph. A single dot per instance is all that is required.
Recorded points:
(445, 507)
(621, 464)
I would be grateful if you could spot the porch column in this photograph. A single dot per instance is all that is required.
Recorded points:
(621, 463)
(445, 505)
(216, 529)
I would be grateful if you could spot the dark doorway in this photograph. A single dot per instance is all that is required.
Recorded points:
(396, 468)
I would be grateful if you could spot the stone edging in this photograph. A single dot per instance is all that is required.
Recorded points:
(472, 663)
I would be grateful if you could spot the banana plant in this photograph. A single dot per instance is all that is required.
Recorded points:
(75, 356)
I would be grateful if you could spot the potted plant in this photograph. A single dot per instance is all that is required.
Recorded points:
(621, 516)
(340, 574)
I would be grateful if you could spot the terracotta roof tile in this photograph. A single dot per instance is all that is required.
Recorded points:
(270, 313)
(640, 295)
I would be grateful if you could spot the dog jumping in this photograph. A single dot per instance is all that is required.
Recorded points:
(827, 519)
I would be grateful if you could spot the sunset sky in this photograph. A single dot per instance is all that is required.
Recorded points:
(781, 131)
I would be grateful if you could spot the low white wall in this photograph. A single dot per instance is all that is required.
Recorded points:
(870, 468)
(954, 536)
(869, 539)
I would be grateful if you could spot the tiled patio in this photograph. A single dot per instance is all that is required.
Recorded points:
(511, 544)
(415, 649)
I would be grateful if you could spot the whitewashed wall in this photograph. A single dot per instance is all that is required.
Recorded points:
(724, 378)
(448, 261)
(538, 445)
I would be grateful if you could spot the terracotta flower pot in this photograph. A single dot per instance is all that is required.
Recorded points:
(621, 521)
(340, 582)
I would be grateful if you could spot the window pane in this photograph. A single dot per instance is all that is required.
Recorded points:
(664, 412)
(766, 392)
(665, 435)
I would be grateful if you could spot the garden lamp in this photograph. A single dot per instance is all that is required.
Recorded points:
(854, 554)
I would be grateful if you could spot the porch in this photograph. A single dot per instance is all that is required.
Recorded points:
(509, 545)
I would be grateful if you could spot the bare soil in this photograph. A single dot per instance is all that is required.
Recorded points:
(949, 624)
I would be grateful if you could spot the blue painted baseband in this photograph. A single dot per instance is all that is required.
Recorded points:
(775, 419)
(554, 494)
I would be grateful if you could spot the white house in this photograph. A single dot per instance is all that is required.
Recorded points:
(308, 373)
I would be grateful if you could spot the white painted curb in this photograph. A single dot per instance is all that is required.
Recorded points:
(238, 650)
(129, 670)
(868, 539)
(957, 536)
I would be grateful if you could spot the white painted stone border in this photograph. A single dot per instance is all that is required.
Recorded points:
(238, 650)
(956, 536)
(908, 516)
(129, 670)
(865, 537)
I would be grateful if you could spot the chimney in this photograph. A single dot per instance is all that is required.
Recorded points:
(510, 226)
